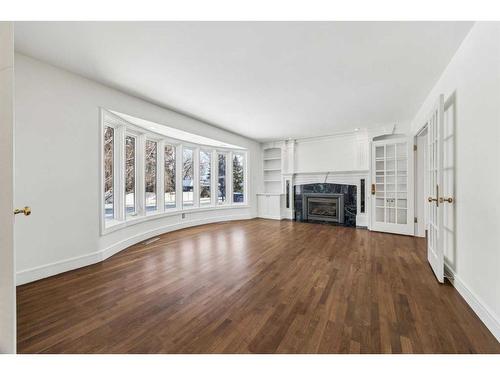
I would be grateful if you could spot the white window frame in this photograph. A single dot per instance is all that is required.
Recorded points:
(122, 129)
(227, 176)
(211, 154)
(176, 149)
(193, 158)
(136, 198)
(245, 178)
(149, 137)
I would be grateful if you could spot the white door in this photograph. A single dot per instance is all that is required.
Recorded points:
(392, 186)
(448, 190)
(435, 253)
(7, 276)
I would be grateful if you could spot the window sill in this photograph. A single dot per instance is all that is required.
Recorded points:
(117, 225)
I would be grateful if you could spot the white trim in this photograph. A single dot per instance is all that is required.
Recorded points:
(487, 316)
(171, 212)
(335, 177)
(51, 269)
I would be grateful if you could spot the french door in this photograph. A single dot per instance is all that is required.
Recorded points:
(441, 185)
(392, 186)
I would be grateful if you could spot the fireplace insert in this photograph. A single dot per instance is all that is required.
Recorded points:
(323, 207)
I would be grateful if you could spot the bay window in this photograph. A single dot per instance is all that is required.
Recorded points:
(109, 143)
(147, 174)
(169, 184)
(187, 178)
(221, 178)
(238, 178)
(150, 174)
(130, 175)
(205, 177)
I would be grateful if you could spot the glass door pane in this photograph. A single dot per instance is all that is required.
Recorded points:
(391, 178)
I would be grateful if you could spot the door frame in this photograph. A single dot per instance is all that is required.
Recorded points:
(7, 253)
(420, 176)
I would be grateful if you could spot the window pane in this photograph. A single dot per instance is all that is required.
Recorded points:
(205, 172)
(130, 175)
(109, 212)
(150, 175)
(221, 179)
(238, 175)
(169, 176)
(187, 177)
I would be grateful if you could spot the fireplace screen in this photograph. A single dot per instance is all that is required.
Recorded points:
(323, 207)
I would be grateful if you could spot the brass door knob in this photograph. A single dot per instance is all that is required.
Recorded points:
(430, 199)
(26, 211)
(449, 200)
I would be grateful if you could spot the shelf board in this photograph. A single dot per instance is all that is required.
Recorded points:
(272, 169)
(272, 180)
(276, 158)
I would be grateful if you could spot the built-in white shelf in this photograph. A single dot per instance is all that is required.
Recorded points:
(272, 169)
(269, 159)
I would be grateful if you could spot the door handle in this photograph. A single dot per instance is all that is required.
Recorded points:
(373, 189)
(430, 199)
(449, 200)
(26, 211)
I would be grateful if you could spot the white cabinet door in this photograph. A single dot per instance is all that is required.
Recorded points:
(262, 206)
(274, 206)
(269, 206)
(392, 186)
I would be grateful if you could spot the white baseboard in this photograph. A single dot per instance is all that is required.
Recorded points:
(488, 317)
(51, 269)
(271, 217)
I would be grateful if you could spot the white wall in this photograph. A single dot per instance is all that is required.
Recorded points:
(57, 169)
(474, 76)
(7, 277)
(337, 153)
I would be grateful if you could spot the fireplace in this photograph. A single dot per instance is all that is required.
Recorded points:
(326, 203)
(323, 207)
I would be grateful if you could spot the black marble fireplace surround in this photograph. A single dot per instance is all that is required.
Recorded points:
(301, 192)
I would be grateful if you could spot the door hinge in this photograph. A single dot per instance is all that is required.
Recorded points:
(415, 220)
(414, 147)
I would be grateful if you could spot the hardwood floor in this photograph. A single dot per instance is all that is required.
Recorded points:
(258, 286)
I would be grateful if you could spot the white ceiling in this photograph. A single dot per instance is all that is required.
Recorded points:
(264, 80)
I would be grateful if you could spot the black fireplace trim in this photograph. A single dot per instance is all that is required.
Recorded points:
(350, 200)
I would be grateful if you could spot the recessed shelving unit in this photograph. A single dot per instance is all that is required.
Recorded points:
(272, 170)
